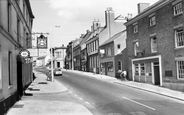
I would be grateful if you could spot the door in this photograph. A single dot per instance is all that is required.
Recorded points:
(58, 64)
(19, 78)
(156, 73)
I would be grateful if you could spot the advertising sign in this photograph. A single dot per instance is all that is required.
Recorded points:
(24, 53)
(42, 42)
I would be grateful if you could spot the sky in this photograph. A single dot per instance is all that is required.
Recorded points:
(66, 20)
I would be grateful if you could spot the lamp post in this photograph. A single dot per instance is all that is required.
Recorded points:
(51, 53)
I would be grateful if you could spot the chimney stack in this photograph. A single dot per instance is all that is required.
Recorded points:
(142, 6)
(109, 16)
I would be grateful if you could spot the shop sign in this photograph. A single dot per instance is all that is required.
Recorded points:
(24, 53)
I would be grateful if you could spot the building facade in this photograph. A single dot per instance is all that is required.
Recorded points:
(155, 41)
(68, 57)
(92, 45)
(16, 20)
(84, 61)
(110, 58)
(77, 54)
(59, 56)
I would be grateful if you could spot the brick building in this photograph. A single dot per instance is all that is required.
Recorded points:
(155, 42)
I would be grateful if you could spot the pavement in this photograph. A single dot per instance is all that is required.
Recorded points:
(40, 87)
(37, 101)
(142, 86)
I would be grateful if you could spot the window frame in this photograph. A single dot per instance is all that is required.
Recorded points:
(10, 68)
(1, 77)
(176, 39)
(151, 21)
(136, 72)
(152, 45)
(178, 73)
(135, 28)
(177, 8)
(119, 65)
(142, 72)
(135, 48)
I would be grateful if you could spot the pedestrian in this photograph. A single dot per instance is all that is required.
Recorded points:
(124, 74)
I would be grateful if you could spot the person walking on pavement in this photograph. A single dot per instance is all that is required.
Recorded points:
(123, 75)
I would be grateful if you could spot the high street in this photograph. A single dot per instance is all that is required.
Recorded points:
(103, 97)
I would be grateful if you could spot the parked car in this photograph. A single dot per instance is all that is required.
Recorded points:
(58, 71)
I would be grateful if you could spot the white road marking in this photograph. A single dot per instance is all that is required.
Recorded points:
(80, 98)
(75, 95)
(87, 102)
(139, 103)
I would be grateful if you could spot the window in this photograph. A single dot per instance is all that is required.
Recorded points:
(135, 28)
(119, 65)
(142, 69)
(136, 45)
(109, 52)
(153, 44)
(0, 70)
(110, 66)
(119, 46)
(179, 37)
(18, 30)
(136, 67)
(152, 21)
(148, 69)
(10, 69)
(177, 8)
(180, 68)
(9, 16)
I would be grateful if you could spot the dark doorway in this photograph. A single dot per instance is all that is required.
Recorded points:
(156, 73)
(19, 77)
(58, 64)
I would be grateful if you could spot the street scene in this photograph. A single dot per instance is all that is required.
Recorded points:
(65, 57)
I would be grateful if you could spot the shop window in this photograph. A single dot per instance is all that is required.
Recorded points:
(148, 69)
(142, 69)
(110, 66)
(180, 69)
(136, 66)
(179, 37)
(177, 8)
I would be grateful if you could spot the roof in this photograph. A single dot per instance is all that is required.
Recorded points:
(148, 10)
(29, 8)
(113, 37)
(62, 47)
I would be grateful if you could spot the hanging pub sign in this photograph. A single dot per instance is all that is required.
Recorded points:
(42, 42)
(24, 53)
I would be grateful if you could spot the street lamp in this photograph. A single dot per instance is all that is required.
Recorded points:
(51, 53)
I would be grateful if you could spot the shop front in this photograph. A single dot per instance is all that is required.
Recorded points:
(147, 70)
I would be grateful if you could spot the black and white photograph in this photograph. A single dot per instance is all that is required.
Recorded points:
(91, 57)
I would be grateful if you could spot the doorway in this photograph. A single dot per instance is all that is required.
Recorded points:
(156, 73)
(58, 64)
